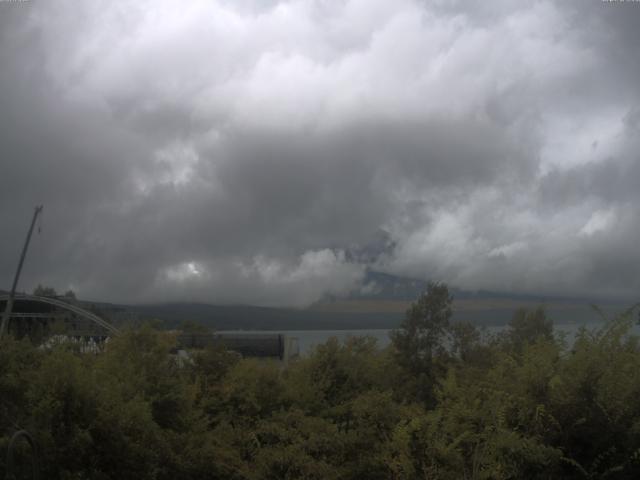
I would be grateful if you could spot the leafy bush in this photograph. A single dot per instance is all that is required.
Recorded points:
(438, 403)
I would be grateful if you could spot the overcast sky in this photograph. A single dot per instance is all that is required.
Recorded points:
(251, 151)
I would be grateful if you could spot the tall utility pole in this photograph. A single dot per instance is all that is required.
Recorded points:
(7, 310)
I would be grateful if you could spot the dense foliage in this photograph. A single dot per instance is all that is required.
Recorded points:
(442, 402)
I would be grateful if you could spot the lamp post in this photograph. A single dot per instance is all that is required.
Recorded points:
(9, 306)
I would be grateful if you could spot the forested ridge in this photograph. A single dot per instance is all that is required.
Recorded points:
(443, 401)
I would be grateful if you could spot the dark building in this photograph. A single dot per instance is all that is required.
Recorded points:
(260, 345)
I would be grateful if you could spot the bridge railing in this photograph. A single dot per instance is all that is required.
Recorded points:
(67, 306)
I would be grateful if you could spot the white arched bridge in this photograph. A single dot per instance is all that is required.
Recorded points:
(81, 312)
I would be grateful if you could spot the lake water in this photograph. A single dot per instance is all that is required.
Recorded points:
(308, 339)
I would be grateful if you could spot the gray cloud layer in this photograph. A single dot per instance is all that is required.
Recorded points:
(234, 151)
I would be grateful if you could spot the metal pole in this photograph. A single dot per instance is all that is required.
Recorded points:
(7, 310)
(35, 465)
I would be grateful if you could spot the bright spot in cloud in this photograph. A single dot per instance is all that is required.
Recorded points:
(184, 271)
(508, 250)
(599, 221)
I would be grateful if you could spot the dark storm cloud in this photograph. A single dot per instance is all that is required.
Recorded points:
(239, 151)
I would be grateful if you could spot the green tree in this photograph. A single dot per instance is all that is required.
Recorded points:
(41, 291)
(465, 342)
(191, 327)
(420, 342)
(70, 294)
(527, 326)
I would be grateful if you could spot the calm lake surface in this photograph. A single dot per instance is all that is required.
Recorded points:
(308, 339)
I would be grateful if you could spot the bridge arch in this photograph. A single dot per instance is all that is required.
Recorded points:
(65, 306)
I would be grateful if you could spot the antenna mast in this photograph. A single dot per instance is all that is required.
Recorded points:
(9, 307)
